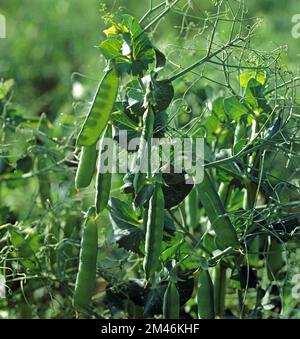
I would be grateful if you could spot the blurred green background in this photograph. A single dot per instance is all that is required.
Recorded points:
(49, 40)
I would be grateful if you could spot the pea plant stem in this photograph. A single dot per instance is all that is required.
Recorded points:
(242, 153)
(282, 85)
(151, 10)
(160, 16)
(188, 234)
(203, 60)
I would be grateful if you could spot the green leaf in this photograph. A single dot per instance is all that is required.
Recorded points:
(26, 249)
(218, 108)
(144, 195)
(120, 118)
(258, 75)
(111, 48)
(234, 108)
(127, 47)
(254, 95)
(126, 227)
(175, 189)
(160, 60)
(134, 94)
(5, 87)
(132, 25)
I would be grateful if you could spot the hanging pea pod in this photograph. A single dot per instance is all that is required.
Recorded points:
(86, 167)
(220, 222)
(205, 296)
(86, 277)
(144, 152)
(171, 303)
(191, 205)
(154, 231)
(100, 110)
(103, 181)
(219, 289)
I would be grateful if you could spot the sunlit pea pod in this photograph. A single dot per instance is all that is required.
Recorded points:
(100, 110)
(103, 181)
(154, 232)
(220, 222)
(171, 302)
(86, 277)
(205, 296)
(145, 141)
(86, 167)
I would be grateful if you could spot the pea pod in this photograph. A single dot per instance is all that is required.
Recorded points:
(216, 213)
(154, 231)
(220, 289)
(100, 110)
(86, 166)
(86, 277)
(171, 303)
(103, 181)
(192, 209)
(205, 296)
(145, 141)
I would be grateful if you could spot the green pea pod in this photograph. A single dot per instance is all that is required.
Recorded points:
(192, 209)
(215, 211)
(154, 231)
(86, 167)
(171, 303)
(147, 132)
(220, 289)
(100, 110)
(205, 296)
(275, 260)
(103, 181)
(86, 277)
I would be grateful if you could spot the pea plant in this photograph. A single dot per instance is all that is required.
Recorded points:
(153, 245)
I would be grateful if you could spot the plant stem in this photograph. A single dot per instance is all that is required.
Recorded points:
(151, 10)
(282, 85)
(188, 234)
(203, 60)
(160, 16)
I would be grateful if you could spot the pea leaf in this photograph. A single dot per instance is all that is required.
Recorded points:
(218, 108)
(258, 75)
(121, 119)
(26, 248)
(127, 47)
(175, 189)
(5, 87)
(126, 227)
(254, 95)
(111, 48)
(234, 108)
(160, 60)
